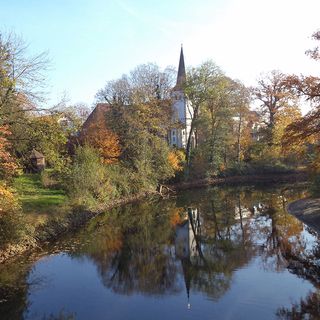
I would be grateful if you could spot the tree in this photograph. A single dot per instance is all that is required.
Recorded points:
(104, 140)
(139, 115)
(197, 87)
(145, 83)
(284, 119)
(216, 100)
(22, 76)
(7, 163)
(273, 96)
(240, 99)
(306, 129)
(21, 84)
(45, 134)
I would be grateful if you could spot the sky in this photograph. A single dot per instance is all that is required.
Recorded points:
(90, 42)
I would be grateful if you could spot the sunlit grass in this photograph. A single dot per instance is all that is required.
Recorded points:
(35, 198)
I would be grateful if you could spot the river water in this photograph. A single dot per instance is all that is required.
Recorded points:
(217, 253)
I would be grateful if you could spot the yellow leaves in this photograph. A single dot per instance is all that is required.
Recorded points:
(283, 119)
(176, 159)
(7, 200)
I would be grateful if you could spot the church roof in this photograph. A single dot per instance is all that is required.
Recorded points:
(181, 78)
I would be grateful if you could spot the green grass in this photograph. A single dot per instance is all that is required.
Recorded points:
(35, 198)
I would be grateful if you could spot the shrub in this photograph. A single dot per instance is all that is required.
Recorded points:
(88, 183)
(256, 168)
(13, 226)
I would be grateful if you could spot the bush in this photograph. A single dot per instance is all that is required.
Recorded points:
(88, 183)
(13, 226)
(256, 168)
(49, 178)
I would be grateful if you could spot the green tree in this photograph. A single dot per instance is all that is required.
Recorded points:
(199, 82)
(140, 115)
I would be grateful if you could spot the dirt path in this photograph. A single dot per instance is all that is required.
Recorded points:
(308, 211)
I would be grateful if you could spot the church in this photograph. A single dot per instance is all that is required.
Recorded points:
(182, 110)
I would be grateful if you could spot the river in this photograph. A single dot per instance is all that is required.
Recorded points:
(216, 253)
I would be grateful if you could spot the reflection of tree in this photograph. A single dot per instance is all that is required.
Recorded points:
(308, 308)
(283, 238)
(60, 316)
(278, 232)
(140, 256)
(143, 263)
(133, 247)
(223, 245)
(13, 289)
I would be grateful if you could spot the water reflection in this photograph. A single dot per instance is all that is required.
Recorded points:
(308, 308)
(206, 238)
(196, 244)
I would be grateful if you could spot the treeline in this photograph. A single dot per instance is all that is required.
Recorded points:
(125, 152)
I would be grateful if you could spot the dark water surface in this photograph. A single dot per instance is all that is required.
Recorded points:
(220, 253)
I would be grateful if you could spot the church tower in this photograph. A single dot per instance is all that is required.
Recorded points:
(182, 110)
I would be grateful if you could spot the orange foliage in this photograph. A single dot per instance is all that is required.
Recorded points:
(7, 163)
(176, 159)
(104, 140)
(305, 129)
(176, 217)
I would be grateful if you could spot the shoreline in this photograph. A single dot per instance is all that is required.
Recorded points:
(307, 210)
(55, 228)
(232, 180)
(74, 220)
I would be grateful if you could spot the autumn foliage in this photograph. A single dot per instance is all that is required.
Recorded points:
(7, 163)
(7, 200)
(176, 159)
(98, 136)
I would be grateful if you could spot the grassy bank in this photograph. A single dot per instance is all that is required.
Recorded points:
(60, 224)
(74, 218)
(34, 197)
(38, 203)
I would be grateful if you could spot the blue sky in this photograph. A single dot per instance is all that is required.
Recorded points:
(93, 41)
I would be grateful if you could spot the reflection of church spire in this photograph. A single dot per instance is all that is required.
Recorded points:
(188, 246)
(187, 275)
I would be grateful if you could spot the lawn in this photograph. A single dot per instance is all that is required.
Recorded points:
(35, 198)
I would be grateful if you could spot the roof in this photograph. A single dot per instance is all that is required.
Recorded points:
(98, 113)
(181, 77)
(36, 154)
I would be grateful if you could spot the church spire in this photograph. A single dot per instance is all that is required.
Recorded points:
(181, 78)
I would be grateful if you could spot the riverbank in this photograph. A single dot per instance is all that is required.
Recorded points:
(308, 211)
(234, 180)
(57, 226)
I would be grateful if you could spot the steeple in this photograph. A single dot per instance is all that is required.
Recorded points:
(181, 78)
